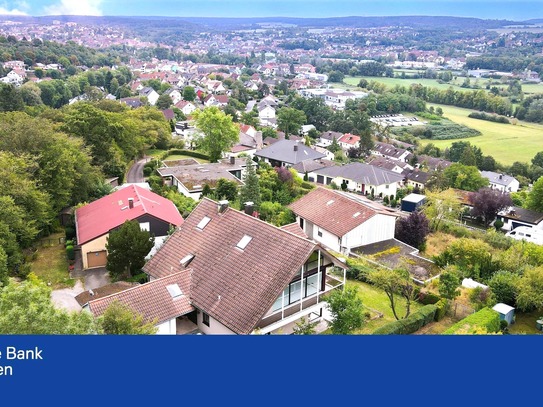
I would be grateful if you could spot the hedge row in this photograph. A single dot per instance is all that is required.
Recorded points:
(485, 318)
(189, 153)
(489, 117)
(428, 298)
(410, 324)
(441, 309)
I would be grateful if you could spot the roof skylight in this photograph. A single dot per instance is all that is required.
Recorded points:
(203, 223)
(174, 290)
(244, 242)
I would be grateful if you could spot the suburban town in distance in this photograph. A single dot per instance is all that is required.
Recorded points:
(253, 174)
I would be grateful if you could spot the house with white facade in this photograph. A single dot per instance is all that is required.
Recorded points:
(515, 216)
(151, 95)
(227, 272)
(340, 221)
(391, 152)
(286, 153)
(362, 178)
(501, 182)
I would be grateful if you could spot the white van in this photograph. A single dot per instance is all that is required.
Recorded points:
(526, 233)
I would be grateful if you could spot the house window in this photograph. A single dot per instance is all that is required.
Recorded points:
(203, 223)
(319, 233)
(386, 186)
(205, 318)
(292, 293)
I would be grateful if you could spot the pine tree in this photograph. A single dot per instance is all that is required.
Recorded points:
(250, 191)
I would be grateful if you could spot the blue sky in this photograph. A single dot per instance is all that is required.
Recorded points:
(489, 9)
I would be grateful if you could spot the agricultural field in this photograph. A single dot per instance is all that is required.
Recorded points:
(507, 143)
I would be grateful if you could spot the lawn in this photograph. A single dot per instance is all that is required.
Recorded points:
(50, 263)
(174, 157)
(507, 143)
(525, 322)
(154, 152)
(376, 299)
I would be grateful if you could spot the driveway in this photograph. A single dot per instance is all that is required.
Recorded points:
(65, 298)
(135, 173)
(95, 278)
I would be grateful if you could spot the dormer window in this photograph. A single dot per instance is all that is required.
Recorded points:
(186, 260)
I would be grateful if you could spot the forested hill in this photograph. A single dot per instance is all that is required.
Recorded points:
(197, 23)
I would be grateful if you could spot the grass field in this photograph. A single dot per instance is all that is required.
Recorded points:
(507, 143)
(433, 83)
(50, 263)
(376, 299)
(182, 157)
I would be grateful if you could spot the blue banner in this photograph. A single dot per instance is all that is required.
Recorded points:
(254, 370)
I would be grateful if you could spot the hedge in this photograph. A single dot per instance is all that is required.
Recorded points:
(410, 324)
(441, 309)
(426, 298)
(189, 153)
(485, 318)
(70, 252)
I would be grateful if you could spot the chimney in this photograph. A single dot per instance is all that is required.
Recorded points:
(501, 176)
(222, 206)
(296, 145)
(249, 208)
(130, 203)
(232, 160)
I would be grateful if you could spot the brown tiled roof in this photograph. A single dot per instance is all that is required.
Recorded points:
(295, 228)
(332, 211)
(236, 287)
(152, 300)
(104, 291)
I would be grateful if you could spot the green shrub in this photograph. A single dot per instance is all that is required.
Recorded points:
(306, 185)
(428, 298)
(489, 117)
(411, 324)
(189, 153)
(68, 243)
(70, 252)
(70, 232)
(485, 318)
(441, 309)
(147, 171)
(141, 278)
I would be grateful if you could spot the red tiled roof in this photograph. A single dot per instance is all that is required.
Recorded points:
(349, 139)
(332, 211)
(296, 229)
(236, 287)
(152, 300)
(111, 211)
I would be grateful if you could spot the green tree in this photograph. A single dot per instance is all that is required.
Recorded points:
(395, 283)
(334, 147)
(530, 289)
(3, 267)
(250, 190)
(449, 281)
(164, 102)
(119, 319)
(442, 206)
(346, 309)
(534, 201)
(289, 120)
(504, 286)
(464, 177)
(226, 189)
(304, 327)
(127, 248)
(189, 94)
(26, 309)
(220, 133)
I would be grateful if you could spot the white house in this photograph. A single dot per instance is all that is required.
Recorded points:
(515, 216)
(341, 222)
(501, 182)
(151, 95)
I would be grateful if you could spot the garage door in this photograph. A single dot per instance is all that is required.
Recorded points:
(96, 259)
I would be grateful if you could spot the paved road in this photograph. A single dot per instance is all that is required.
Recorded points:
(135, 173)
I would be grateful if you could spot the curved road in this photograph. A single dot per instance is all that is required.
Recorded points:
(135, 173)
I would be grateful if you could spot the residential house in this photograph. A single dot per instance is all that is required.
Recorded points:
(163, 301)
(216, 100)
(151, 95)
(348, 141)
(341, 221)
(168, 114)
(326, 139)
(362, 178)
(418, 179)
(133, 102)
(249, 142)
(310, 166)
(175, 95)
(399, 167)
(245, 275)
(432, 163)
(391, 152)
(501, 182)
(286, 153)
(186, 107)
(515, 216)
(191, 179)
(96, 220)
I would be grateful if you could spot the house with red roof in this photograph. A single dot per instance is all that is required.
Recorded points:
(96, 220)
(342, 221)
(349, 140)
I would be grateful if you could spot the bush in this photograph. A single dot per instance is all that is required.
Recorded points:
(147, 171)
(189, 153)
(498, 224)
(70, 232)
(306, 185)
(428, 298)
(489, 117)
(70, 252)
(485, 318)
(410, 324)
(442, 306)
(68, 243)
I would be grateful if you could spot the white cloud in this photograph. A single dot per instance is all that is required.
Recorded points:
(75, 7)
(7, 10)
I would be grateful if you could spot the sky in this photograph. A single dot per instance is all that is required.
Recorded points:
(487, 9)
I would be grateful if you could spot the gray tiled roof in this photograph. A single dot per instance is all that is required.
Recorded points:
(362, 174)
(283, 150)
(497, 178)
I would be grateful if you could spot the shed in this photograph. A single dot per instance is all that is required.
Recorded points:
(506, 312)
(412, 202)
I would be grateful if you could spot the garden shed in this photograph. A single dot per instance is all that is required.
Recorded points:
(412, 202)
(506, 312)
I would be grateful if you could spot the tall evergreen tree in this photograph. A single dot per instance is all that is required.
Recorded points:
(250, 191)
